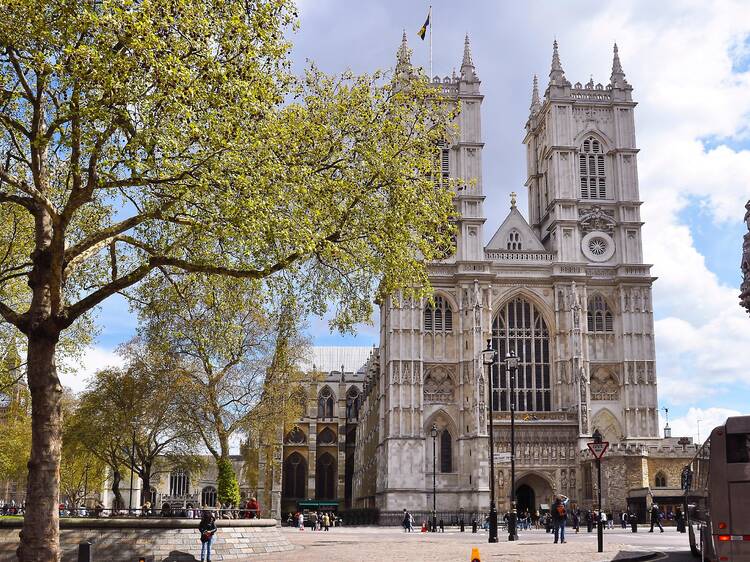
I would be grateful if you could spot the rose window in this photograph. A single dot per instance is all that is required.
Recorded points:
(598, 246)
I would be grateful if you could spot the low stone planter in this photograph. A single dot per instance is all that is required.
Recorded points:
(156, 539)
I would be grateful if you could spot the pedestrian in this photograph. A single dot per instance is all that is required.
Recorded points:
(301, 521)
(442, 526)
(326, 521)
(559, 517)
(405, 521)
(656, 518)
(624, 519)
(411, 522)
(253, 509)
(680, 519)
(604, 519)
(207, 528)
(576, 520)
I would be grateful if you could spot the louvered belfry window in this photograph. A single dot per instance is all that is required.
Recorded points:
(443, 172)
(438, 317)
(591, 168)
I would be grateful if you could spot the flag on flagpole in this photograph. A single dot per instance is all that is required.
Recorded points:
(423, 30)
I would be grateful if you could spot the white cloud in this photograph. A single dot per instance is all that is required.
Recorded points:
(680, 61)
(76, 373)
(690, 426)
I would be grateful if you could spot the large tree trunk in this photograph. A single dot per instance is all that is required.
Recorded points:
(40, 534)
(117, 502)
(146, 483)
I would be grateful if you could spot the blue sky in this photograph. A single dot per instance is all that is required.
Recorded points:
(689, 64)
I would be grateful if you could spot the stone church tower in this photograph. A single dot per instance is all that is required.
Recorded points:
(566, 291)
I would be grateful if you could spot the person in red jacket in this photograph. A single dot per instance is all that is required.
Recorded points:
(253, 508)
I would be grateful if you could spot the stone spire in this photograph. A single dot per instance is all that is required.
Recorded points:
(556, 73)
(535, 104)
(617, 80)
(403, 57)
(468, 72)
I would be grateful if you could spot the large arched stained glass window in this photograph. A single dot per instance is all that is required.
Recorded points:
(325, 403)
(519, 327)
(446, 451)
(294, 477)
(325, 477)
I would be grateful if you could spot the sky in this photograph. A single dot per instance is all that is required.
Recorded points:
(689, 65)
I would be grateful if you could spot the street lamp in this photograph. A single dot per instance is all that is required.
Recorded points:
(511, 364)
(489, 358)
(433, 432)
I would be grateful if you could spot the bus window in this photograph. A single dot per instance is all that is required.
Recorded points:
(738, 447)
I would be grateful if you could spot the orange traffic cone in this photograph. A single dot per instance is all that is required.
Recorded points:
(475, 555)
(424, 526)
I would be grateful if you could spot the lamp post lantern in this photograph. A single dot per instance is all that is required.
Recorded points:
(489, 358)
(433, 433)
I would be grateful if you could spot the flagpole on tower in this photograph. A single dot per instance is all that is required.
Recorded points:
(430, 20)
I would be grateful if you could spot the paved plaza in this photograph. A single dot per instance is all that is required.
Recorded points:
(375, 544)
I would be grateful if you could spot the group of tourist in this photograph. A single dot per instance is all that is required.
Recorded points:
(315, 521)
(250, 510)
(10, 508)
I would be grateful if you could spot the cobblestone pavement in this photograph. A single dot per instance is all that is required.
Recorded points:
(376, 544)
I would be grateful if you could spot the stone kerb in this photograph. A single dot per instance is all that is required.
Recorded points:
(160, 540)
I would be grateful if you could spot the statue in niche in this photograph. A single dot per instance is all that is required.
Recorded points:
(501, 479)
(564, 480)
(573, 479)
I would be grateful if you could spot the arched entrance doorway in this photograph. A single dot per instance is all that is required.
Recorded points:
(525, 499)
(533, 492)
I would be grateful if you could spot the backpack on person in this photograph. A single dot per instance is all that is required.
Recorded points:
(560, 510)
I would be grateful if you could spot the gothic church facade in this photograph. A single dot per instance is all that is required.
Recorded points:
(567, 291)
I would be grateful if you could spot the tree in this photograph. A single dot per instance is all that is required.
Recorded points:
(168, 134)
(226, 345)
(129, 417)
(15, 418)
(80, 470)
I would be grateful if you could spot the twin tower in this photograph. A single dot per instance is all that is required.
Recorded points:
(566, 290)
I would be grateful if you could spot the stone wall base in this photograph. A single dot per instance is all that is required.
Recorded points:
(159, 544)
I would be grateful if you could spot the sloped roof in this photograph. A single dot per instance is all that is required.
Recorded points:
(331, 358)
(515, 220)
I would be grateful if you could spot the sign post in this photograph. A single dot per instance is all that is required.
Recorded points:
(598, 448)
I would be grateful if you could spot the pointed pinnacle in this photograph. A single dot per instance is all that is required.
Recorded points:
(403, 55)
(535, 96)
(467, 53)
(617, 78)
(555, 57)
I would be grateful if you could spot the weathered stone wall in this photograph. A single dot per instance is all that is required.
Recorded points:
(671, 467)
(160, 540)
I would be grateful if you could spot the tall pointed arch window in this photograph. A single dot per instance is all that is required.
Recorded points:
(438, 317)
(446, 451)
(520, 327)
(294, 477)
(442, 174)
(660, 481)
(179, 482)
(325, 403)
(325, 477)
(599, 316)
(352, 404)
(592, 170)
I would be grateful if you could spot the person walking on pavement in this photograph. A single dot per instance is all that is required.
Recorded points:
(326, 521)
(405, 521)
(301, 521)
(559, 517)
(655, 518)
(577, 520)
(624, 519)
(603, 516)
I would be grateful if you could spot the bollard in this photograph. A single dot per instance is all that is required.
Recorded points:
(475, 555)
(473, 525)
(84, 552)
